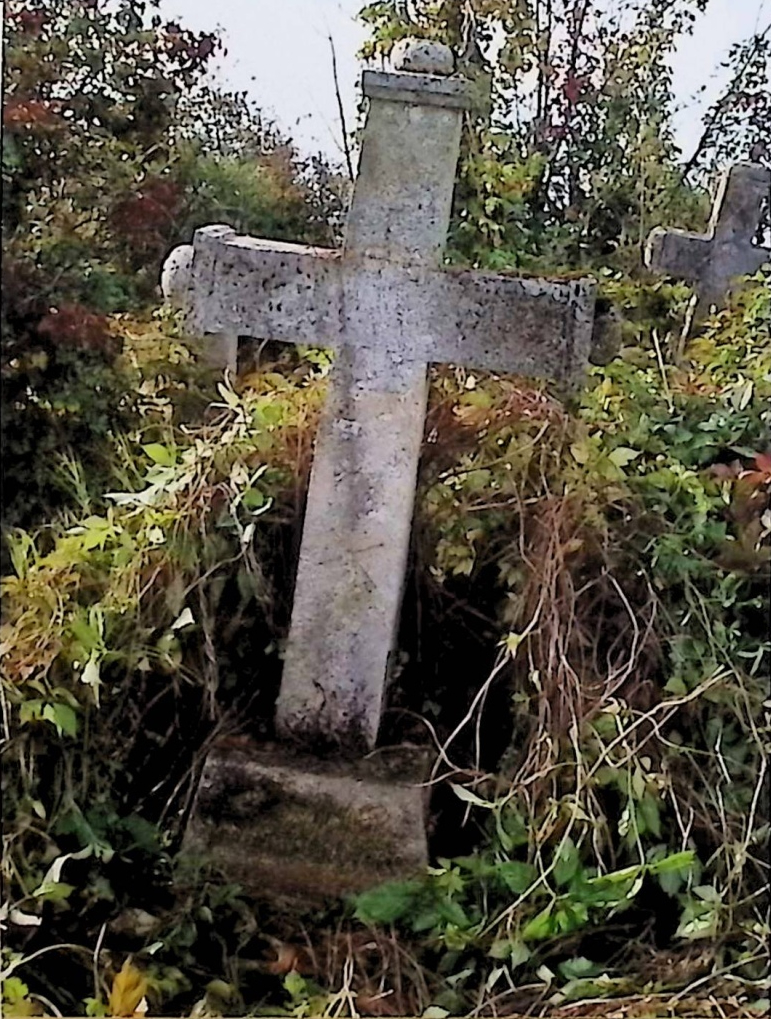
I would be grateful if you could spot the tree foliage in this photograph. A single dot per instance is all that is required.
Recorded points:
(574, 160)
(106, 165)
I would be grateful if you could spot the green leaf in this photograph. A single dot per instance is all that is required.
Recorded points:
(30, 711)
(53, 891)
(578, 967)
(519, 954)
(515, 875)
(85, 634)
(388, 902)
(675, 862)
(541, 926)
(648, 810)
(160, 454)
(621, 456)
(254, 499)
(14, 990)
(426, 919)
(761, 1006)
(295, 985)
(567, 862)
(143, 834)
(708, 893)
(501, 949)
(569, 916)
(468, 797)
(95, 1007)
(676, 686)
(452, 912)
(515, 828)
(582, 452)
(62, 717)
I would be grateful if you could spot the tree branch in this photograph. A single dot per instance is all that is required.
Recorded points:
(341, 111)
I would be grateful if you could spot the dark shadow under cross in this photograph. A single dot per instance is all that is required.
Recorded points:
(388, 308)
(712, 261)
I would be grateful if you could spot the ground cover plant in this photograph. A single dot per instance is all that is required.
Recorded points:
(585, 633)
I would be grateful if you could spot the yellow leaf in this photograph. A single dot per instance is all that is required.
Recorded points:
(128, 989)
(581, 452)
(623, 455)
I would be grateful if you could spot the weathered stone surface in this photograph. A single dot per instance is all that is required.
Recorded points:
(396, 311)
(714, 260)
(402, 201)
(425, 90)
(301, 830)
(176, 277)
(221, 349)
(422, 56)
(359, 511)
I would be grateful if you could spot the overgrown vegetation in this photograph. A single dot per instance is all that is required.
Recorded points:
(585, 637)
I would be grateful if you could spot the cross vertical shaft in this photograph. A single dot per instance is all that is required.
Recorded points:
(360, 501)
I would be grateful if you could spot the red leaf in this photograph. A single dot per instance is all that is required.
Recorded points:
(206, 47)
(27, 112)
(74, 326)
(572, 88)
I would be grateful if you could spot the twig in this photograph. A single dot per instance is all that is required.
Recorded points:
(482, 692)
(95, 960)
(715, 973)
(15, 963)
(341, 111)
(47, 1002)
(662, 370)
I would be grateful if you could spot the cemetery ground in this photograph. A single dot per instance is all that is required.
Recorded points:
(582, 654)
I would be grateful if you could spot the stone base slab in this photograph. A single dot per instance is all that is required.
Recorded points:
(299, 830)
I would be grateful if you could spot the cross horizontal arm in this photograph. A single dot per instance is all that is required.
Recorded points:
(536, 327)
(265, 289)
(488, 321)
(679, 253)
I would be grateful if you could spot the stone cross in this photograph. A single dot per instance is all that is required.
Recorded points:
(388, 308)
(713, 260)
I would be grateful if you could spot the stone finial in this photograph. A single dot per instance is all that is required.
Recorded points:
(422, 56)
(176, 276)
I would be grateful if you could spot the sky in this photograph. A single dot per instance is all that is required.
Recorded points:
(279, 52)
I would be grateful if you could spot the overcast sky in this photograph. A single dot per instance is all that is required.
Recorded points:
(278, 51)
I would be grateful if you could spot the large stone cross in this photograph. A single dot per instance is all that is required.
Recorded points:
(713, 260)
(388, 308)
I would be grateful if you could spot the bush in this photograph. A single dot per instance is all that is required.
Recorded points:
(103, 172)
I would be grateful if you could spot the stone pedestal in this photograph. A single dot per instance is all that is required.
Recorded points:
(301, 831)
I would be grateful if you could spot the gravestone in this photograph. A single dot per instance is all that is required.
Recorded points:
(714, 260)
(388, 308)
